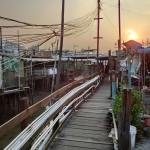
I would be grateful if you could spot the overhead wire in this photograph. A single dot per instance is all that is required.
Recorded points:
(143, 16)
(75, 27)
(72, 28)
(110, 22)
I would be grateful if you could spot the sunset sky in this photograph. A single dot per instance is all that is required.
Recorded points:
(135, 19)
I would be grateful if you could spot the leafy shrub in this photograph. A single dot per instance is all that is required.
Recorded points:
(136, 106)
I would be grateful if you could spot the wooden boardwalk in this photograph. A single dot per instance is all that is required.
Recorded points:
(88, 127)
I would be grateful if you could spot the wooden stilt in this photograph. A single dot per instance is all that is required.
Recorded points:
(24, 104)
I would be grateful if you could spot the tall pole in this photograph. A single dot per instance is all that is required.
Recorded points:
(110, 70)
(119, 45)
(98, 21)
(98, 37)
(129, 69)
(61, 44)
(119, 41)
(1, 38)
(1, 68)
(19, 60)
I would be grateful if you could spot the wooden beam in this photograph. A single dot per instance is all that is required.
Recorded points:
(8, 126)
(125, 143)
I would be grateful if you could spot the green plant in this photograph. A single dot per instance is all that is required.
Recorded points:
(148, 79)
(147, 129)
(136, 106)
(139, 131)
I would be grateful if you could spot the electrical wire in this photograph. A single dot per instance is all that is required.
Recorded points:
(110, 22)
(72, 28)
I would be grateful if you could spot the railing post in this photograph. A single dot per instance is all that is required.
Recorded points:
(124, 123)
(92, 90)
(24, 104)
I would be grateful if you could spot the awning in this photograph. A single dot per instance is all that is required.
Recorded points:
(133, 45)
(45, 59)
(38, 59)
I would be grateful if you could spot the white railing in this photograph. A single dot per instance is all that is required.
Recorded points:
(45, 118)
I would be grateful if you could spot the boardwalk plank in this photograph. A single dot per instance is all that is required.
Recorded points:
(88, 127)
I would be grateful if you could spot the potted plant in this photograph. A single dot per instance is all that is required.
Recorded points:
(146, 132)
(140, 126)
(136, 107)
(139, 134)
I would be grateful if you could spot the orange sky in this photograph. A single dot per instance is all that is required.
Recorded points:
(135, 19)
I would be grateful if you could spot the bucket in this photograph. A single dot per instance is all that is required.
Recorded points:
(133, 135)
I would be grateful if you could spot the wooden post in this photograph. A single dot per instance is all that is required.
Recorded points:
(68, 71)
(119, 129)
(110, 72)
(74, 68)
(1, 46)
(24, 104)
(14, 105)
(124, 136)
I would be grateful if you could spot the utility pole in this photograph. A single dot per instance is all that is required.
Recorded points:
(119, 45)
(98, 34)
(119, 41)
(61, 45)
(59, 62)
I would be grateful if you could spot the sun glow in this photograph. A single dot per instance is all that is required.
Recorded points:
(132, 34)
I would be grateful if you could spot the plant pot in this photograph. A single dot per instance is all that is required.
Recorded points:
(147, 121)
(139, 134)
(147, 91)
(147, 132)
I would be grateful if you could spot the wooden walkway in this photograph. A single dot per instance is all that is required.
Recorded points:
(88, 127)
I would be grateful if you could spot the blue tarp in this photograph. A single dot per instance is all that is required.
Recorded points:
(145, 50)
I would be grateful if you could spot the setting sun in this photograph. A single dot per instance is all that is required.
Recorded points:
(132, 34)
